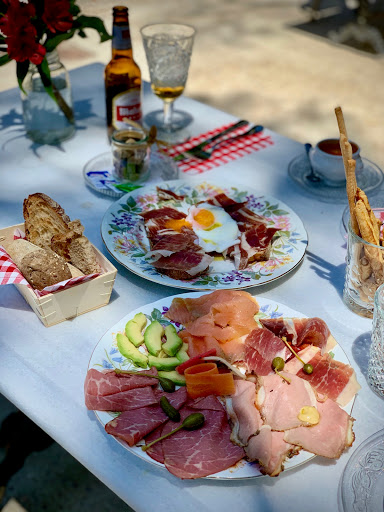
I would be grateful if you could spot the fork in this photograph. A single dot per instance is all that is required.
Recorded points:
(205, 154)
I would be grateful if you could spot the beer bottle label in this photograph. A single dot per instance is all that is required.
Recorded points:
(126, 105)
(121, 38)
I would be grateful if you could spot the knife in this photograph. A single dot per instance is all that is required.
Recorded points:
(190, 152)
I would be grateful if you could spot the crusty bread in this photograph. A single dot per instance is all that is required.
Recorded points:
(40, 267)
(48, 226)
(43, 218)
(75, 272)
(82, 255)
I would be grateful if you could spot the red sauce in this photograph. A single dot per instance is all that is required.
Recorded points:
(332, 147)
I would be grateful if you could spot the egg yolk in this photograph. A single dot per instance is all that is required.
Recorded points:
(176, 224)
(205, 218)
(309, 414)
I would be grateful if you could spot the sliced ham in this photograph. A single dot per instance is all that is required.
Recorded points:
(108, 382)
(202, 452)
(302, 331)
(123, 401)
(332, 378)
(280, 402)
(161, 213)
(244, 417)
(330, 437)
(261, 347)
(176, 399)
(164, 194)
(183, 264)
(255, 245)
(270, 450)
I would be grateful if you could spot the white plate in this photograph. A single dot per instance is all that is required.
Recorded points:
(107, 356)
(123, 233)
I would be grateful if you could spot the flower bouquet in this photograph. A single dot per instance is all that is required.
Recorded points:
(31, 29)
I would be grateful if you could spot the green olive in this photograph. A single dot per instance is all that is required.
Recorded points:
(278, 363)
(308, 368)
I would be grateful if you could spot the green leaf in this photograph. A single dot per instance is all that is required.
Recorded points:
(131, 202)
(83, 22)
(21, 71)
(51, 43)
(4, 59)
(279, 212)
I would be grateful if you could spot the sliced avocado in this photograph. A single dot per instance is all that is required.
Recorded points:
(173, 343)
(182, 354)
(163, 363)
(128, 350)
(134, 328)
(174, 376)
(152, 337)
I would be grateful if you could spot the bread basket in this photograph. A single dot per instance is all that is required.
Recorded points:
(63, 305)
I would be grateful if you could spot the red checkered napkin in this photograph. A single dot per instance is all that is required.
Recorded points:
(224, 154)
(10, 274)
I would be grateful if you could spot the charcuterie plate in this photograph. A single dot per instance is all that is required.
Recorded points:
(123, 233)
(107, 356)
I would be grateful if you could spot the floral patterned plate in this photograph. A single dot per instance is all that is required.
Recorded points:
(107, 356)
(122, 230)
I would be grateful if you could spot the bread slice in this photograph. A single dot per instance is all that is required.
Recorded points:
(60, 243)
(82, 255)
(40, 267)
(43, 218)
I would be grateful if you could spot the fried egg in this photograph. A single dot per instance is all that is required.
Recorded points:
(215, 228)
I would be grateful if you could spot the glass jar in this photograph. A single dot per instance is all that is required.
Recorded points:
(47, 121)
(376, 351)
(131, 153)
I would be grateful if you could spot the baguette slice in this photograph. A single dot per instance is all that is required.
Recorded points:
(83, 256)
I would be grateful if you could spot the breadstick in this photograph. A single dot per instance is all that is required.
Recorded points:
(360, 194)
(340, 121)
(367, 230)
(351, 194)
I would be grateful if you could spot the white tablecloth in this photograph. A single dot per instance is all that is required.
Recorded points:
(42, 370)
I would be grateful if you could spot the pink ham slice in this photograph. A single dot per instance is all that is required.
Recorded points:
(270, 450)
(255, 245)
(123, 401)
(261, 347)
(176, 399)
(107, 382)
(299, 331)
(161, 213)
(190, 261)
(330, 437)
(132, 426)
(280, 403)
(198, 453)
(243, 414)
(332, 378)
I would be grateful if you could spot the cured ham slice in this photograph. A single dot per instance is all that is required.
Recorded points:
(132, 426)
(123, 401)
(302, 331)
(270, 450)
(164, 194)
(255, 245)
(330, 437)
(332, 378)
(243, 414)
(108, 382)
(261, 347)
(183, 264)
(216, 320)
(198, 453)
(280, 402)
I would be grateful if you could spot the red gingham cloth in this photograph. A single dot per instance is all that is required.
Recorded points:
(224, 153)
(10, 274)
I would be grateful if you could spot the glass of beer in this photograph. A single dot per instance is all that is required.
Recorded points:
(168, 48)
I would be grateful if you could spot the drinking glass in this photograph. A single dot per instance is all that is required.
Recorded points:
(376, 353)
(168, 48)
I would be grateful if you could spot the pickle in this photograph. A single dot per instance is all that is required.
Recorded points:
(169, 410)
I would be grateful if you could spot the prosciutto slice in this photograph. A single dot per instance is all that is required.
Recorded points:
(261, 347)
(270, 450)
(198, 453)
(108, 382)
(243, 414)
(332, 378)
(280, 402)
(302, 331)
(330, 437)
(123, 401)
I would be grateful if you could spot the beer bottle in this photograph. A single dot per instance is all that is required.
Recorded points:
(122, 76)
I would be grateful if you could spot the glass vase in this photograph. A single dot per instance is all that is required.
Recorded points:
(48, 121)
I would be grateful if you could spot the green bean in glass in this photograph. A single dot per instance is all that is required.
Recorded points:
(131, 153)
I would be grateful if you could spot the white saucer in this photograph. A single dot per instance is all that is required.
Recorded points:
(369, 179)
(97, 173)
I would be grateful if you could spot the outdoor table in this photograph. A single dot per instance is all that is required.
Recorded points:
(42, 370)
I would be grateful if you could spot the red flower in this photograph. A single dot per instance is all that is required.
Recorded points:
(57, 16)
(21, 34)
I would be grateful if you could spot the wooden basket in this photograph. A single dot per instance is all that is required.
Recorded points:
(66, 304)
